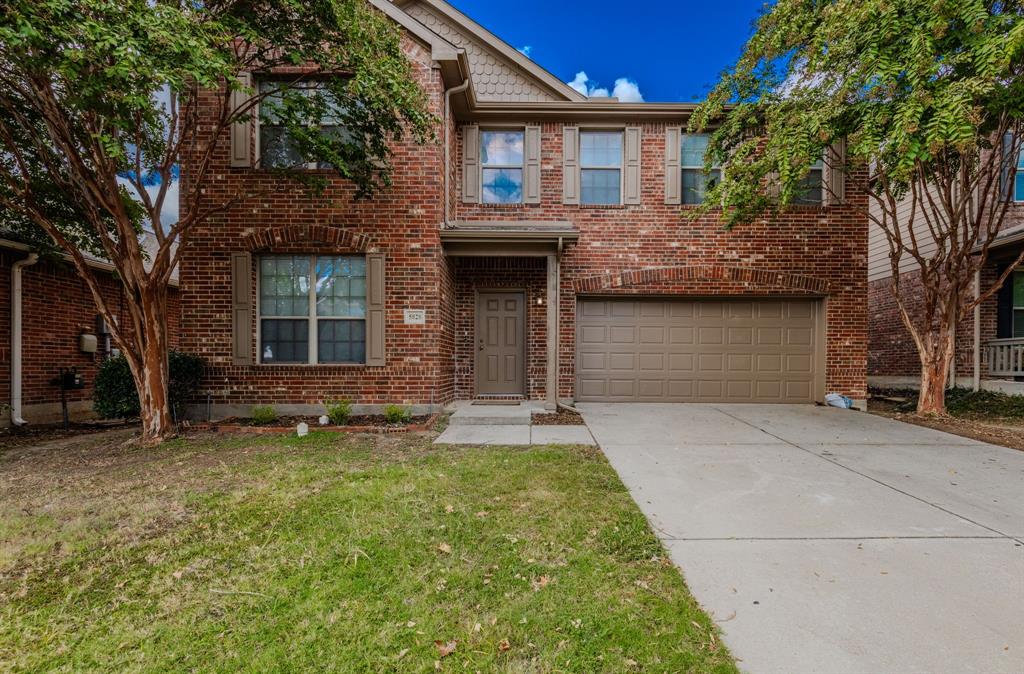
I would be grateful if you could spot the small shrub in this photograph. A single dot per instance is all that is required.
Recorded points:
(338, 411)
(263, 415)
(396, 414)
(114, 394)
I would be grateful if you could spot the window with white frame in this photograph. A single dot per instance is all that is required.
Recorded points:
(501, 167)
(695, 181)
(277, 148)
(811, 190)
(601, 167)
(312, 309)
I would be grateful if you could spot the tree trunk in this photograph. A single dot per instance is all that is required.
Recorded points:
(149, 367)
(936, 355)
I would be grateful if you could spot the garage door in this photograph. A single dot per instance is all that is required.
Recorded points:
(655, 350)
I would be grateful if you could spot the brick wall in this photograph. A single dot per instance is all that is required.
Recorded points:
(57, 307)
(403, 223)
(807, 250)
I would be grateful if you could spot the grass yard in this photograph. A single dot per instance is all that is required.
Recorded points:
(334, 553)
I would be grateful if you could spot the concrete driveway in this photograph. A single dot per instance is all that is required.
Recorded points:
(826, 540)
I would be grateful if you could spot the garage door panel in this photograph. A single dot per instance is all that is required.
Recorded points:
(696, 350)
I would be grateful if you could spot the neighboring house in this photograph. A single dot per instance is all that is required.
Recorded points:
(56, 310)
(989, 342)
(541, 249)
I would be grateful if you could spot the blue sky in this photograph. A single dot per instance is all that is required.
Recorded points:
(673, 50)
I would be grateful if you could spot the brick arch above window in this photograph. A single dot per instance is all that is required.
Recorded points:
(755, 278)
(334, 238)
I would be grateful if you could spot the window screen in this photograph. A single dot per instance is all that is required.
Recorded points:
(601, 167)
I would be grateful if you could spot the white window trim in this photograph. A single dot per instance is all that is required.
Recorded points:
(312, 318)
(521, 166)
(683, 168)
(621, 168)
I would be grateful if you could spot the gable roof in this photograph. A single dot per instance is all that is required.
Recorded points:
(499, 71)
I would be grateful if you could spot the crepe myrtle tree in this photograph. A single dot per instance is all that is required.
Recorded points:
(926, 100)
(99, 105)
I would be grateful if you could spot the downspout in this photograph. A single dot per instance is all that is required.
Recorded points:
(458, 89)
(16, 321)
(976, 384)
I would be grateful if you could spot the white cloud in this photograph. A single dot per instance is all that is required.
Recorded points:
(525, 50)
(626, 90)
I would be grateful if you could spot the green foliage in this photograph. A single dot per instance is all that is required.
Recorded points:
(397, 414)
(115, 395)
(338, 411)
(263, 415)
(909, 83)
(965, 402)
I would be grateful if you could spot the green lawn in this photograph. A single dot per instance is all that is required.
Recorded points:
(340, 553)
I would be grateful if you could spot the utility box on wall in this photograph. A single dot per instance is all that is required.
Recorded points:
(87, 343)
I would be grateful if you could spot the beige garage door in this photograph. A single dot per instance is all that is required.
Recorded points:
(655, 350)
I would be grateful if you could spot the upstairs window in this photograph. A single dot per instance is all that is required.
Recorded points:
(277, 148)
(501, 167)
(1018, 182)
(601, 167)
(811, 190)
(695, 181)
(312, 309)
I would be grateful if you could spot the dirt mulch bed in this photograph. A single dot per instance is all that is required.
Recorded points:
(1005, 432)
(559, 418)
(32, 435)
(359, 423)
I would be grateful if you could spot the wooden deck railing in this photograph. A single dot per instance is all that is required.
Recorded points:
(1005, 357)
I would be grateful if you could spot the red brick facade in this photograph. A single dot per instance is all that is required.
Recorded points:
(649, 248)
(57, 307)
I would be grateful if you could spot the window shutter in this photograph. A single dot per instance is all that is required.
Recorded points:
(241, 309)
(242, 131)
(531, 174)
(375, 319)
(570, 165)
(835, 169)
(673, 174)
(631, 178)
(471, 164)
(1007, 168)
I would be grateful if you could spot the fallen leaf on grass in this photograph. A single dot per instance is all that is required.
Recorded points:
(401, 654)
(445, 648)
(540, 583)
(504, 645)
(449, 509)
(445, 548)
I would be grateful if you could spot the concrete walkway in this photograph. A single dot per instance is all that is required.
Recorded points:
(826, 540)
(475, 424)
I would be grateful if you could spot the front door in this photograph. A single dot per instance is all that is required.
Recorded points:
(501, 340)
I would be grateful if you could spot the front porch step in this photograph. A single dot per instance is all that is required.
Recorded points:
(465, 413)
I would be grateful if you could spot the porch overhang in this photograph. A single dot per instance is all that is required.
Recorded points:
(523, 238)
(1005, 245)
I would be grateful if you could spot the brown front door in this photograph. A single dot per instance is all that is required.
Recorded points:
(501, 339)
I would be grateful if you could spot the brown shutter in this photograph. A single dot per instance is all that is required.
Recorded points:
(1007, 169)
(471, 164)
(835, 170)
(241, 309)
(570, 165)
(673, 174)
(242, 131)
(531, 174)
(376, 340)
(631, 177)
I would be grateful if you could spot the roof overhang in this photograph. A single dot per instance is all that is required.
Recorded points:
(1006, 244)
(600, 110)
(508, 239)
(92, 262)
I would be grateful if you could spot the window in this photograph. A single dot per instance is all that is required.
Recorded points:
(1018, 299)
(319, 322)
(695, 181)
(277, 149)
(600, 167)
(501, 167)
(810, 191)
(1018, 182)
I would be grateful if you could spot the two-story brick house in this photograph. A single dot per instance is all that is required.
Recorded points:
(540, 249)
